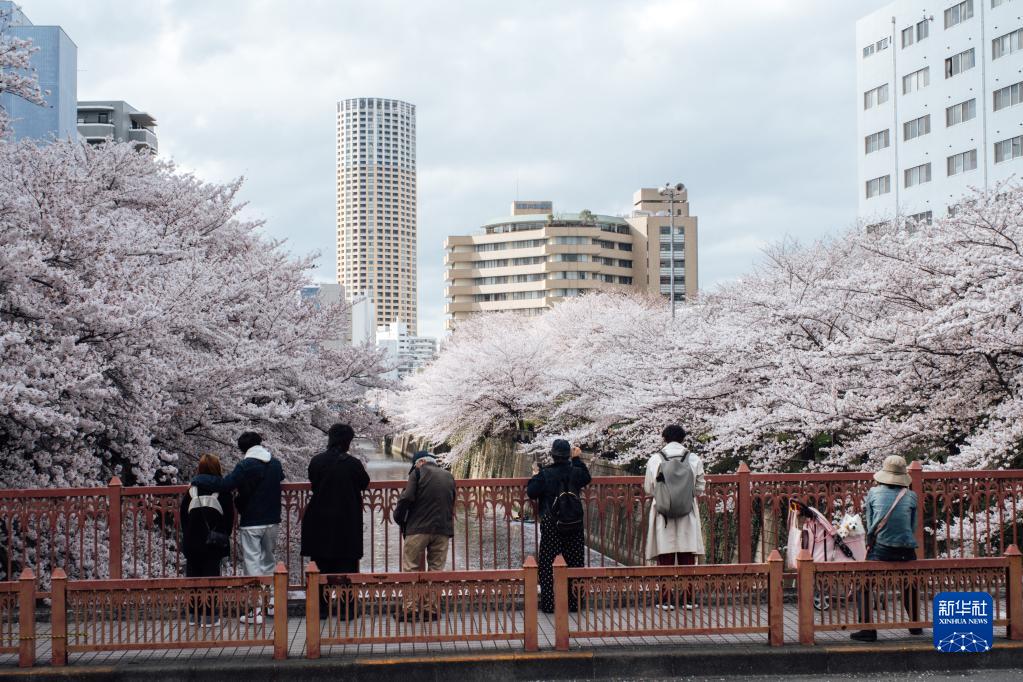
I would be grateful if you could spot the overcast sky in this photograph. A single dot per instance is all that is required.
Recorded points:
(751, 103)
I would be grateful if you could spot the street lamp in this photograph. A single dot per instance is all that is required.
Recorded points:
(671, 193)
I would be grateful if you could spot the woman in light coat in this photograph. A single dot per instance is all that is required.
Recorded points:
(676, 541)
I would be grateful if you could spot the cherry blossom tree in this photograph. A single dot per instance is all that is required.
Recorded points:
(144, 322)
(904, 338)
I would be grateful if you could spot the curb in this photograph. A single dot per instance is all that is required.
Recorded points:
(597, 664)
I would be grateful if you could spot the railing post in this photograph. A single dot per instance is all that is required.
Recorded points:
(280, 597)
(1014, 596)
(114, 525)
(529, 615)
(804, 595)
(560, 603)
(312, 610)
(775, 605)
(745, 510)
(58, 616)
(916, 484)
(27, 619)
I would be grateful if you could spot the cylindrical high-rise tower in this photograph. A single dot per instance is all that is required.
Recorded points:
(376, 205)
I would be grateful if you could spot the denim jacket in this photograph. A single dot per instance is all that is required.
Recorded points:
(899, 530)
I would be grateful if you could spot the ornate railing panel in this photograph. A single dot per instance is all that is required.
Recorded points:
(439, 606)
(638, 601)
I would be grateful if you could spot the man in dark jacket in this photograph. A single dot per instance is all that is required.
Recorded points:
(567, 474)
(332, 523)
(425, 513)
(257, 478)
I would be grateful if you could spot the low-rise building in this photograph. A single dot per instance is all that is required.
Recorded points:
(528, 261)
(406, 353)
(101, 121)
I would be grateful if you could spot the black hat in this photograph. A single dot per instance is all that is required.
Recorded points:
(561, 450)
(421, 455)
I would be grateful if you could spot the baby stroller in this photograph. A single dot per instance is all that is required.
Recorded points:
(818, 535)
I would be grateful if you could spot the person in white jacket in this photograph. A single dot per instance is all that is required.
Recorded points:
(678, 541)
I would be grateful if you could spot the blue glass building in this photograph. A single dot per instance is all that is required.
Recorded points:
(56, 65)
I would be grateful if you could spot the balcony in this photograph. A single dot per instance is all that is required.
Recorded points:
(143, 138)
(96, 132)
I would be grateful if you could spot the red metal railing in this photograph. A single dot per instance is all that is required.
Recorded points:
(494, 605)
(115, 532)
(167, 613)
(884, 596)
(438, 606)
(639, 601)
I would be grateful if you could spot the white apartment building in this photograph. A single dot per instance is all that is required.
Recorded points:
(940, 89)
(359, 324)
(405, 352)
(376, 205)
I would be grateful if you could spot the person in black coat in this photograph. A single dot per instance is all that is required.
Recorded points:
(204, 509)
(567, 473)
(332, 523)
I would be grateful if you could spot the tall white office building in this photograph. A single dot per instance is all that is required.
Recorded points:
(376, 205)
(940, 89)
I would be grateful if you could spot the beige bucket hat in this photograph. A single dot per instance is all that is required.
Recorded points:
(893, 472)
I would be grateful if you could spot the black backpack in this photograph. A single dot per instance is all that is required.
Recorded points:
(567, 511)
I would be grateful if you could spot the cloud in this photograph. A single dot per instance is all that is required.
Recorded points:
(750, 103)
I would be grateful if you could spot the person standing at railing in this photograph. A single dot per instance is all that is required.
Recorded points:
(425, 513)
(257, 478)
(557, 488)
(207, 517)
(332, 523)
(674, 479)
(891, 509)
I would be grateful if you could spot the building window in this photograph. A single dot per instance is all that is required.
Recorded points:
(998, 3)
(907, 37)
(912, 34)
(1009, 149)
(1007, 44)
(875, 47)
(1008, 96)
(875, 96)
(918, 175)
(876, 142)
(916, 127)
(924, 217)
(879, 186)
(916, 80)
(956, 14)
(958, 63)
(958, 113)
(960, 163)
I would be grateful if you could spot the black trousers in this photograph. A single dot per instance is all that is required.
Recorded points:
(332, 565)
(202, 567)
(553, 543)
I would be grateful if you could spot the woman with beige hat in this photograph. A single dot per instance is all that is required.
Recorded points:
(891, 521)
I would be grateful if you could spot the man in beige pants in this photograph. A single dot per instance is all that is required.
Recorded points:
(425, 513)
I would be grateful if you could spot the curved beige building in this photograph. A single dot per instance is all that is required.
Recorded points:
(376, 205)
(535, 257)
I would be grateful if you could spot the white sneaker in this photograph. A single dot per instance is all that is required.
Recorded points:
(253, 617)
(210, 623)
(270, 610)
(668, 607)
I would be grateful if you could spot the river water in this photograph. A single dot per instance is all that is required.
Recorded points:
(502, 542)
(380, 465)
